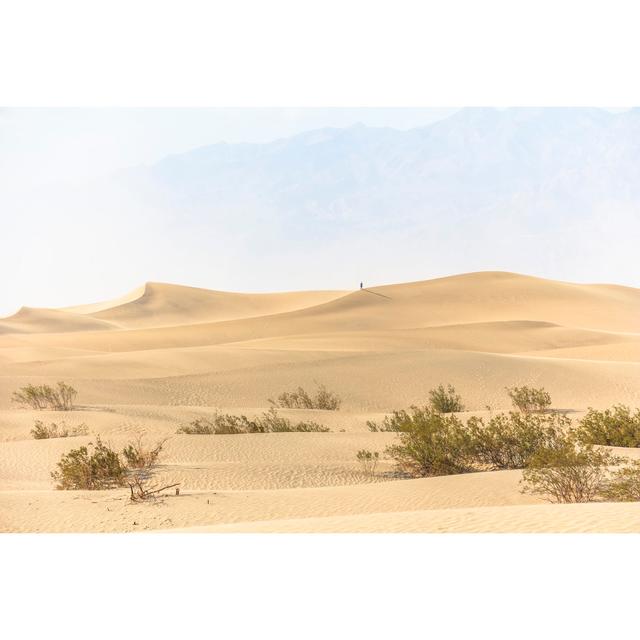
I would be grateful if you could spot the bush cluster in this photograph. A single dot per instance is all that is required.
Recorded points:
(42, 431)
(509, 441)
(395, 422)
(445, 400)
(300, 399)
(219, 425)
(103, 468)
(441, 400)
(430, 443)
(40, 397)
(570, 471)
(528, 399)
(559, 462)
(624, 484)
(616, 427)
(268, 422)
(100, 469)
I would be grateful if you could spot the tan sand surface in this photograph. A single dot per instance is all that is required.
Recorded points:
(165, 355)
(552, 518)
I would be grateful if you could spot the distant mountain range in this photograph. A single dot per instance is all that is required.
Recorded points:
(534, 190)
(509, 162)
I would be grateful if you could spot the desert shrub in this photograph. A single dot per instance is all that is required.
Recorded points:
(445, 400)
(616, 427)
(395, 422)
(368, 461)
(268, 422)
(300, 399)
(327, 400)
(220, 424)
(271, 422)
(139, 456)
(63, 397)
(100, 469)
(41, 431)
(509, 441)
(430, 443)
(307, 427)
(31, 396)
(58, 398)
(528, 399)
(624, 484)
(227, 424)
(198, 427)
(569, 471)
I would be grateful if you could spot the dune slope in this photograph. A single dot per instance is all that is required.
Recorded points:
(165, 355)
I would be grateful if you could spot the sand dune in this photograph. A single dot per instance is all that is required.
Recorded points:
(159, 305)
(565, 518)
(165, 354)
(28, 320)
(95, 307)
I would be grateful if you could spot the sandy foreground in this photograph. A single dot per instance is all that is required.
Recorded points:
(166, 354)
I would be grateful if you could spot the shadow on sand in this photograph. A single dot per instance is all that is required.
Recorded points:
(376, 294)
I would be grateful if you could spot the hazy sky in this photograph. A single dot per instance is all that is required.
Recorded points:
(59, 247)
(41, 147)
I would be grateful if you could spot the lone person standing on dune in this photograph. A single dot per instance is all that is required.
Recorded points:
(361, 286)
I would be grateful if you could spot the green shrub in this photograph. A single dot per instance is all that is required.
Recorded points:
(445, 400)
(31, 396)
(368, 461)
(442, 401)
(269, 422)
(624, 484)
(100, 469)
(569, 471)
(40, 397)
(395, 422)
(430, 444)
(528, 399)
(300, 399)
(305, 427)
(198, 427)
(616, 427)
(220, 424)
(63, 397)
(509, 441)
(326, 400)
(41, 431)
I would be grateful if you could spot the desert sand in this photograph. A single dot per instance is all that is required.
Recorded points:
(164, 355)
